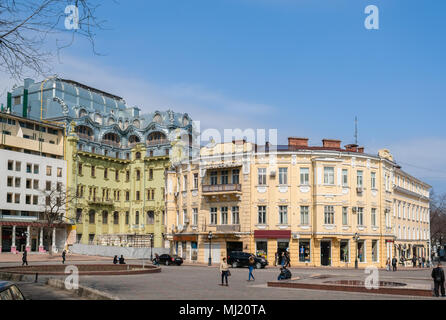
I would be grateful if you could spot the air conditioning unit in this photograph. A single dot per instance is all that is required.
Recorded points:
(176, 194)
(272, 173)
(359, 189)
(186, 220)
(296, 236)
(354, 210)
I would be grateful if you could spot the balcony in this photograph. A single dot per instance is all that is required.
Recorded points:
(228, 228)
(111, 143)
(85, 136)
(100, 201)
(156, 142)
(221, 188)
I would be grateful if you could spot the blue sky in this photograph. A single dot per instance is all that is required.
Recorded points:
(305, 67)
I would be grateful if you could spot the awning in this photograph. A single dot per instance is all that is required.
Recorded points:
(193, 238)
(31, 224)
(272, 234)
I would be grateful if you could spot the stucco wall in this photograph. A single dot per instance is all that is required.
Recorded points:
(105, 251)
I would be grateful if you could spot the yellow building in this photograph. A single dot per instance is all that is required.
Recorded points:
(322, 204)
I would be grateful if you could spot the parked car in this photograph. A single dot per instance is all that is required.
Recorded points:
(241, 259)
(167, 259)
(9, 291)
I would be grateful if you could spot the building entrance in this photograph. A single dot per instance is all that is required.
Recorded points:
(325, 253)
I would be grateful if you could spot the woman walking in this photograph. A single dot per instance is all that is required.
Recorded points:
(251, 267)
(224, 269)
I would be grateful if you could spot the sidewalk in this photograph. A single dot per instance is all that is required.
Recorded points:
(45, 257)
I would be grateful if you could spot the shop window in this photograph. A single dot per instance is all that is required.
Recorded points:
(375, 250)
(344, 251)
(262, 248)
(304, 250)
(361, 251)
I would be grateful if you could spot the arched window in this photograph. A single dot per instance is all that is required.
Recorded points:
(157, 118)
(137, 217)
(116, 217)
(84, 132)
(104, 217)
(97, 118)
(110, 121)
(111, 139)
(133, 139)
(138, 155)
(136, 123)
(91, 216)
(156, 138)
(82, 113)
(150, 217)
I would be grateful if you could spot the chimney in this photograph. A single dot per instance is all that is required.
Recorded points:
(329, 143)
(297, 142)
(238, 142)
(351, 147)
(361, 149)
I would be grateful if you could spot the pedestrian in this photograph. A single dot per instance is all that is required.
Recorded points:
(64, 253)
(115, 260)
(25, 258)
(438, 277)
(414, 261)
(423, 261)
(388, 264)
(224, 269)
(156, 262)
(284, 274)
(121, 260)
(394, 262)
(287, 259)
(282, 259)
(251, 263)
(419, 262)
(276, 258)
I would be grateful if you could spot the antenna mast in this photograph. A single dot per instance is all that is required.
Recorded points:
(356, 130)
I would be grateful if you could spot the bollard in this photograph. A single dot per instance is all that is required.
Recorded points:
(37, 276)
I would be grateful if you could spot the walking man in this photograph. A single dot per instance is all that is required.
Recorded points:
(251, 267)
(438, 277)
(224, 269)
(394, 262)
(25, 258)
(63, 256)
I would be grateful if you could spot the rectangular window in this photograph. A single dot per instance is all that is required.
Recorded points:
(59, 172)
(138, 175)
(105, 173)
(224, 177)
(150, 174)
(344, 251)
(262, 248)
(184, 216)
(224, 215)
(344, 177)
(105, 217)
(185, 183)
(127, 196)
(359, 179)
(195, 180)
(344, 216)
(283, 176)
(36, 169)
(304, 176)
(48, 186)
(138, 196)
(236, 176)
(10, 179)
(375, 250)
(261, 214)
(261, 173)
(283, 215)
(117, 175)
(373, 180)
(213, 216)
(59, 187)
(35, 200)
(17, 198)
(127, 176)
(18, 166)
(304, 250)
(17, 182)
(329, 175)
(304, 215)
(360, 214)
(235, 215)
(214, 178)
(9, 198)
(194, 216)
(29, 168)
(10, 165)
(127, 215)
(329, 215)
(48, 171)
(28, 199)
(373, 217)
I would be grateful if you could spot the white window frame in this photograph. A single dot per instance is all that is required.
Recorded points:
(329, 176)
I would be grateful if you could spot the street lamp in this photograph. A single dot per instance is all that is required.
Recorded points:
(356, 238)
(151, 247)
(210, 245)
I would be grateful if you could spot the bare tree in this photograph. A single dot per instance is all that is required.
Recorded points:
(57, 202)
(438, 218)
(25, 26)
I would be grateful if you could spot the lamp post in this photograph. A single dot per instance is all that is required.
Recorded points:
(356, 238)
(151, 247)
(210, 246)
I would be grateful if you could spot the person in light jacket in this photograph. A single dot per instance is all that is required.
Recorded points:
(224, 269)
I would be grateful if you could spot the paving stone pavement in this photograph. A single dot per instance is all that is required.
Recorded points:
(39, 291)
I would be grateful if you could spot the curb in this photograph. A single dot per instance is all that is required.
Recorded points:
(82, 291)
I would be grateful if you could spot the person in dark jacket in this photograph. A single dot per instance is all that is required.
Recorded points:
(414, 261)
(394, 263)
(64, 253)
(115, 260)
(438, 277)
(251, 262)
(25, 258)
(121, 260)
(284, 274)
